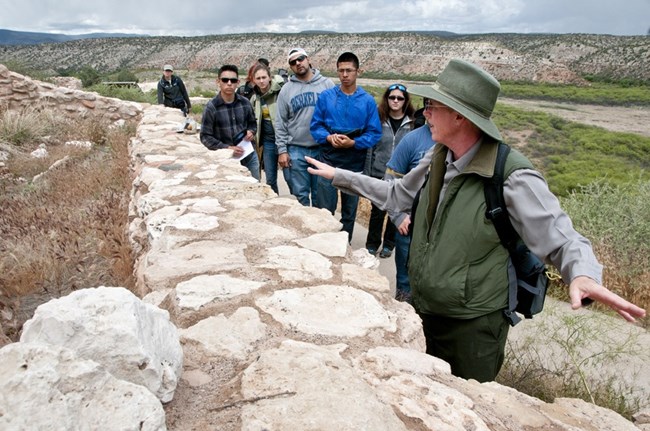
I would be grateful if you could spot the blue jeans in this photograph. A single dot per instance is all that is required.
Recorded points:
(253, 164)
(402, 244)
(303, 184)
(328, 198)
(270, 156)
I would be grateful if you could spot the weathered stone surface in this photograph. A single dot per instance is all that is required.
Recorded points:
(49, 387)
(310, 387)
(204, 289)
(227, 336)
(294, 264)
(17, 91)
(327, 310)
(332, 244)
(133, 340)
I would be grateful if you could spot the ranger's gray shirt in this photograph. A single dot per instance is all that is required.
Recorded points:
(534, 211)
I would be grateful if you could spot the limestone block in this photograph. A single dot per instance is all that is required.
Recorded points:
(133, 340)
(309, 387)
(205, 289)
(295, 264)
(46, 387)
(327, 310)
(159, 269)
(332, 244)
(583, 412)
(365, 278)
(233, 336)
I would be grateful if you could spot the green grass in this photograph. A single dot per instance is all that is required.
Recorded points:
(572, 155)
(598, 93)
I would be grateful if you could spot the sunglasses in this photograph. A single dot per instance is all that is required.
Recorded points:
(231, 80)
(399, 87)
(296, 60)
(399, 98)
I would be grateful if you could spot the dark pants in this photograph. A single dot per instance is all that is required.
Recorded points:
(473, 347)
(376, 227)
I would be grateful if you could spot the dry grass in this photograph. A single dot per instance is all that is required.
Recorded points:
(67, 229)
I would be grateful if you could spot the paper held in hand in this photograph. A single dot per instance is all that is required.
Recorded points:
(247, 147)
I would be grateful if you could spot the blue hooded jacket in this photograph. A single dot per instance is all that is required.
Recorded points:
(353, 115)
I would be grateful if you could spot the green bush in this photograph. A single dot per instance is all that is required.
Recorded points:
(89, 76)
(125, 93)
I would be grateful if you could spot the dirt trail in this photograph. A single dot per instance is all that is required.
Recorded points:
(616, 118)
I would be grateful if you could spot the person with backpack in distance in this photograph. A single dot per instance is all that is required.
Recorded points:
(458, 268)
(172, 91)
(396, 115)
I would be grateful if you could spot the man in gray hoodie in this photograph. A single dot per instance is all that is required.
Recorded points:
(295, 106)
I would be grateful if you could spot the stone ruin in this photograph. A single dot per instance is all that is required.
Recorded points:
(255, 314)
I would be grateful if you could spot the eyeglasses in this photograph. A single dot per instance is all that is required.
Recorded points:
(398, 98)
(231, 80)
(296, 60)
(399, 87)
(430, 106)
(344, 71)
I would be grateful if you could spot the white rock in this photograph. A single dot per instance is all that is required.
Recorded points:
(204, 289)
(294, 264)
(228, 336)
(46, 387)
(327, 310)
(332, 244)
(110, 325)
(309, 387)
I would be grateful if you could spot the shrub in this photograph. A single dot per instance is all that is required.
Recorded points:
(21, 127)
(89, 76)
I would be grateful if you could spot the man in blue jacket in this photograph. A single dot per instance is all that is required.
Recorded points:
(345, 123)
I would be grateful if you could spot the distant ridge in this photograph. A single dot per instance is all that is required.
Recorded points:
(12, 37)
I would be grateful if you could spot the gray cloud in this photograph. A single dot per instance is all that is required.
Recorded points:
(189, 18)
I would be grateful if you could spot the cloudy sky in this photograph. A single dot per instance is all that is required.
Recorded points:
(192, 18)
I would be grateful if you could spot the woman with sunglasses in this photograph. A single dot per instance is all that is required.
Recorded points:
(396, 115)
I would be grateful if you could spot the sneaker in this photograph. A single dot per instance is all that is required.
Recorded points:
(385, 252)
(372, 251)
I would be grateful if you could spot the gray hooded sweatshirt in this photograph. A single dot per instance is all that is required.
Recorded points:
(295, 106)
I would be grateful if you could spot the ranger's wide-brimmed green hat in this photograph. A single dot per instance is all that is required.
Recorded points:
(468, 90)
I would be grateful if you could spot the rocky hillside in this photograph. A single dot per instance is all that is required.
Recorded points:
(546, 57)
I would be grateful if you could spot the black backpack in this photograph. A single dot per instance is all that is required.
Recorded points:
(527, 279)
(526, 272)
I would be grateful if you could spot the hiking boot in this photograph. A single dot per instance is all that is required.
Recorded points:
(385, 252)
(372, 251)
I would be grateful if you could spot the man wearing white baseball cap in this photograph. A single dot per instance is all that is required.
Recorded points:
(458, 267)
(294, 109)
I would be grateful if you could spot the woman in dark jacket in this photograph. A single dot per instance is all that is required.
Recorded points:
(396, 115)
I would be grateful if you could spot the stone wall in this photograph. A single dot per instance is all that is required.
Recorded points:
(283, 326)
(21, 92)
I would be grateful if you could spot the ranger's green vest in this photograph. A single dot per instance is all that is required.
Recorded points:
(457, 266)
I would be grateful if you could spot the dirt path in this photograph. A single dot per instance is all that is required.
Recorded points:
(618, 119)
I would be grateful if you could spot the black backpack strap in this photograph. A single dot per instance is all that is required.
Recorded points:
(497, 212)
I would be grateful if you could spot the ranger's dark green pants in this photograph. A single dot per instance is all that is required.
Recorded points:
(473, 347)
